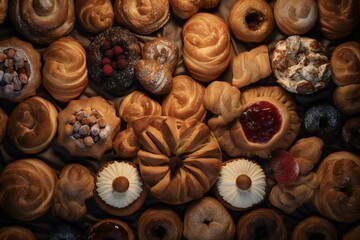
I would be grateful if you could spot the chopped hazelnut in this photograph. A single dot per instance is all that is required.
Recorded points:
(11, 53)
(102, 122)
(72, 119)
(88, 141)
(84, 130)
(68, 128)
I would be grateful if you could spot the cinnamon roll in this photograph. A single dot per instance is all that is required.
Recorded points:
(3, 10)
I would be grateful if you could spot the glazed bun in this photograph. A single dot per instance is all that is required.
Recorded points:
(95, 16)
(16, 233)
(32, 125)
(20, 200)
(3, 10)
(64, 71)
(295, 17)
(43, 22)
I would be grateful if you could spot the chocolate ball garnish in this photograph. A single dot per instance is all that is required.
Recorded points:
(121, 184)
(243, 182)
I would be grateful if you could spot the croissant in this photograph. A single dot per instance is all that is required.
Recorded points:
(64, 73)
(96, 15)
(43, 22)
(3, 9)
(250, 67)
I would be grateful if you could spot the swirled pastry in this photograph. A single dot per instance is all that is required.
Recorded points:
(74, 186)
(295, 17)
(3, 9)
(185, 99)
(125, 143)
(16, 233)
(3, 124)
(186, 8)
(206, 39)
(64, 72)
(142, 17)
(249, 67)
(338, 18)
(159, 59)
(43, 22)
(24, 201)
(32, 125)
(96, 15)
(314, 226)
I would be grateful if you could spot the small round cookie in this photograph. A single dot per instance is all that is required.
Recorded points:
(3, 10)
(314, 227)
(347, 98)
(207, 219)
(16, 233)
(119, 188)
(32, 125)
(241, 184)
(251, 20)
(300, 65)
(3, 124)
(110, 229)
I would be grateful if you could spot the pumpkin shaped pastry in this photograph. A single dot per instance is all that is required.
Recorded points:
(119, 189)
(179, 160)
(87, 127)
(262, 120)
(241, 184)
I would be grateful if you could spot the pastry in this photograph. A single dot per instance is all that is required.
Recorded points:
(142, 17)
(179, 160)
(350, 133)
(42, 22)
(186, 8)
(338, 195)
(239, 130)
(160, 224)
(269, 221)
(300, 65)
(185, 99)
(345, 63)
(21, 200)
(19, 70)
(241, 184)
(32, 125)
(295, 17)
(314, 227)
(353, 234)
(125, 143)
(111, 60)
(110, 229)
(206, 50)
(16, 233)
(87, 127)
(95, 16)
(3, 124)
(251, 21)
(207, 219)
(338, 18)
(159, 60)
(64, 71)
(74, 187)
(3, 10)
(347, 98)
(119, 188)
(249, 67)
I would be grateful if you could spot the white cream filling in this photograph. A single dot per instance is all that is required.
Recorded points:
(231, 193)
(105, 188)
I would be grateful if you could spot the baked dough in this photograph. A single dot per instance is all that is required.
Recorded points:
(186, 8)
(3, 124)
(3, 10)
(347, 98)
(314, 226)
(16, 233)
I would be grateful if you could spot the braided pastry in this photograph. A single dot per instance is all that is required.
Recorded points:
(125, 143)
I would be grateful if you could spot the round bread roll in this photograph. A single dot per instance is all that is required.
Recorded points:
(16, 233)
(96, 15)
(347, 98)
(142, 17)
(64, 71)
(3, 124)
(206, 39)
(3, 10)
(32, 125)
(186, 8)
(295, 17)
(314, 227)
(43, 22)
(21, 200)
(251, 20)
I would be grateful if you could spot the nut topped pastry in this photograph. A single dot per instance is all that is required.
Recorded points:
(87, 127)
(19, 70)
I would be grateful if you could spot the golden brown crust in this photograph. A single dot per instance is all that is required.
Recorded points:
(338, 18)
(3, 124)
(74, 186)
(345, 63)
(347, 98)
(186, 8)
(96, 15)
(251, 21)
(207, 219)
(64, 71)
(43, 22)
(20, 200)
(295, 17)
(206, 39)
(125, 143)
(3, 9)
(95, 234)
(185, 99)
(314, 226)
(338, 195)
(163, 220)
(32, 125)
(249, 67)
(16, 233)
(142, 17)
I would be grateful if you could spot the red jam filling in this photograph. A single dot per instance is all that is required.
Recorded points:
(260, 121)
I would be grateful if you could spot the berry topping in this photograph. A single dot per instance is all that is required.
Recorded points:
(113, 60)
(105, 61)
(122, 64)
(109, 53)
(260, 121)
(285, 167)
(117, 50)
(106, 45)
(107, 70)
